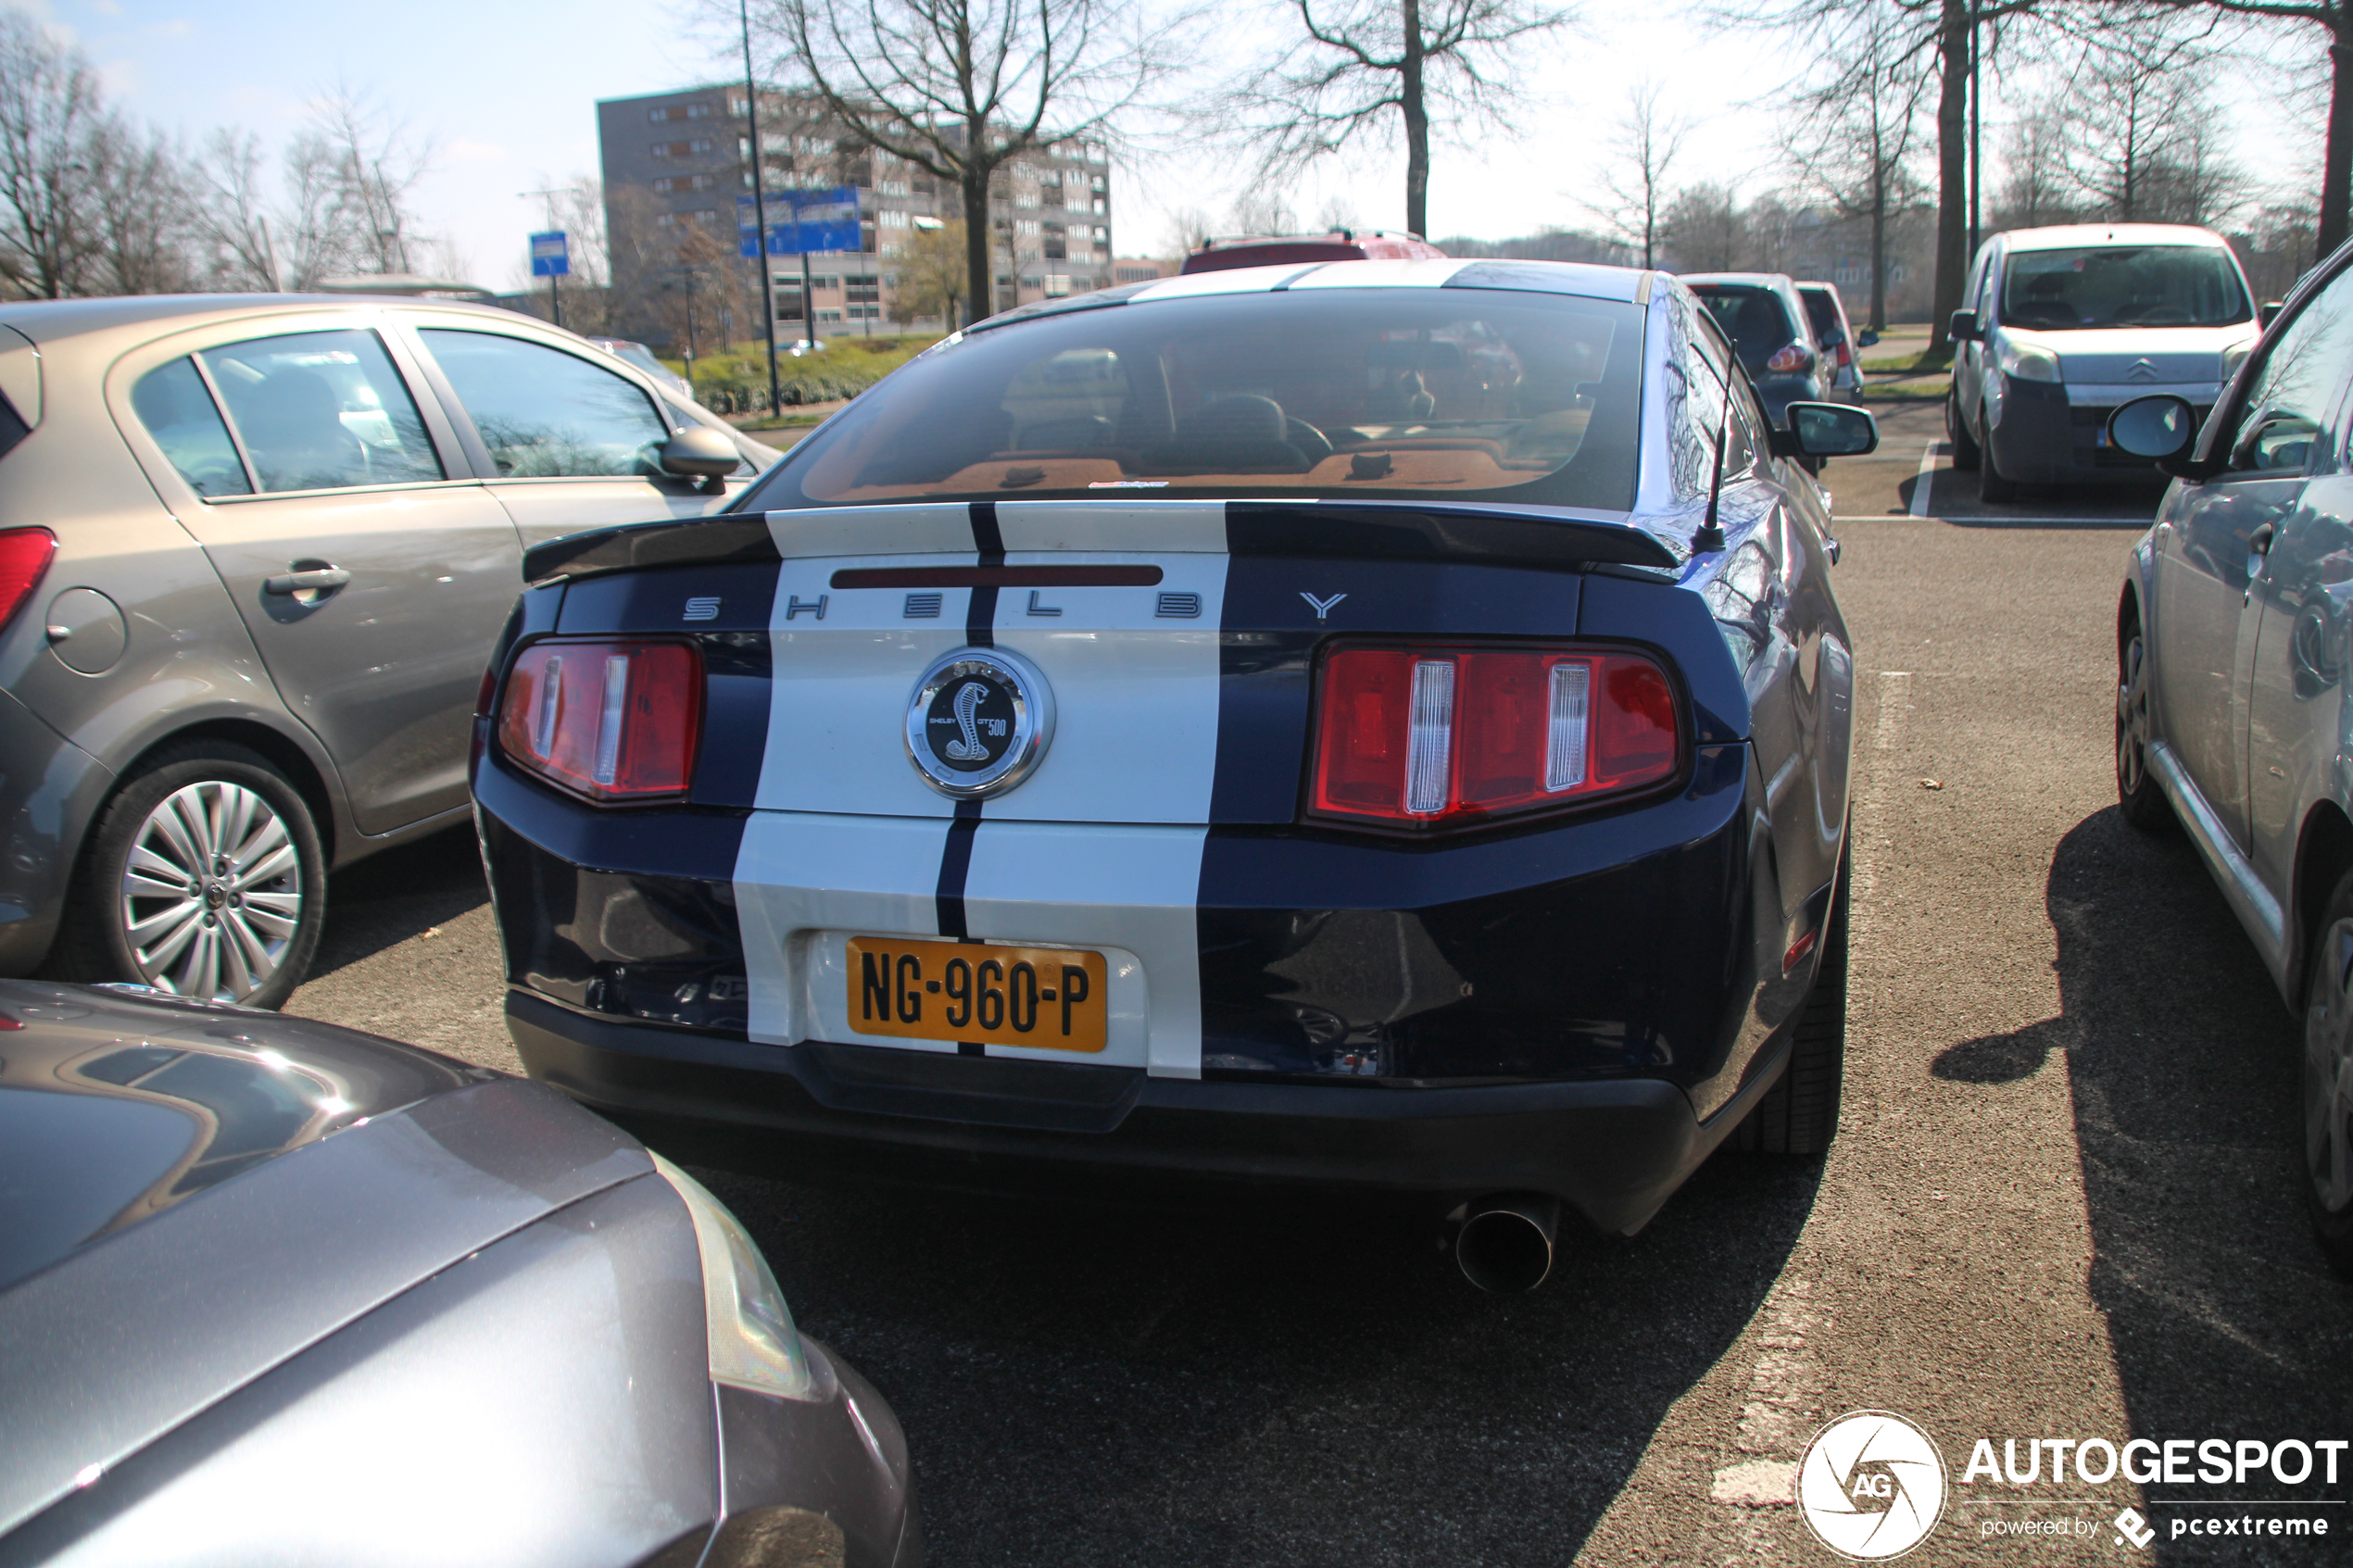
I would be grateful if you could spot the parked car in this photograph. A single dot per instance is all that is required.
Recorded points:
(637, 354)
(1219, 253)
(272, 1291)
(1826, 312)
(2064, 324)
(253, 554)
(1768, 325)
(1260, 729)
(2233, 653)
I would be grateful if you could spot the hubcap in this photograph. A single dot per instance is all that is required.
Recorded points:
(2328, 1070)
(212, 893)
(2133, 718)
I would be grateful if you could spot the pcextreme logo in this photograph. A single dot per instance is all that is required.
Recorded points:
(1871, 1486)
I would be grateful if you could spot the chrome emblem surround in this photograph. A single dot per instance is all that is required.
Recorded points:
(978, 723)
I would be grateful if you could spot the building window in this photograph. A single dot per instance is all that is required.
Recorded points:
(1026, 227)
(828, 315)
(1100, 207)
(865, 313)
(1102, 235)
(1095, 184)
(659, 116)
(669, 183)
(665, 220)
(891, 188)
(736, 106)
(699, 111)
(889, 220)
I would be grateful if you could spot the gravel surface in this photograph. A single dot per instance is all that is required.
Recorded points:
(2063, 1202)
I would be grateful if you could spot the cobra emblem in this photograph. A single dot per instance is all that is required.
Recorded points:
(968, 750)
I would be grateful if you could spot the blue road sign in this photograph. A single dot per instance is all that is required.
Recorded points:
(801, 221)
(551, 254)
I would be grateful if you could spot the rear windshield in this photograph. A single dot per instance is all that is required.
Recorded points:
(1327, 393)
(1755, 319)
(2058, 291)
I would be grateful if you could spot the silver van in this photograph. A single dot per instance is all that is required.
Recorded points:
(2062, 326)
(253, 550)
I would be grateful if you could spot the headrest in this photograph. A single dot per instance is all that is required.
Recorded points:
(1243, 417)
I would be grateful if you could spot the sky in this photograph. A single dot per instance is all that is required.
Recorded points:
(505, 95)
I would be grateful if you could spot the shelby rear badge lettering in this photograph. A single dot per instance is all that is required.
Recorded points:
(1322, 607)
(979, 722)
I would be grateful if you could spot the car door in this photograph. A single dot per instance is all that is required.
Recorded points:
(2292, 426)
(566, 444)
(321, 485)
(1969, 358)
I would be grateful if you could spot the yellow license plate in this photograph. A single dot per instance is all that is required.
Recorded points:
(984, 993)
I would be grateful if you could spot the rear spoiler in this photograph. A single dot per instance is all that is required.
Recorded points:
(1541, 538)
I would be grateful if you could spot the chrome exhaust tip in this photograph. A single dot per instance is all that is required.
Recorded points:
(1505, 1244)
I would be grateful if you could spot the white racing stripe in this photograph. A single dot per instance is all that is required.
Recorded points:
(799, 875)
(922, 529)
(1100, 885)
(1135, 697)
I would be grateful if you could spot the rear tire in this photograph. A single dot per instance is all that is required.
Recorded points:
(2328, 1083)
(1957, 431)
(203, 877)
(1992, 486)
(2138, 797)
(1799, 1115)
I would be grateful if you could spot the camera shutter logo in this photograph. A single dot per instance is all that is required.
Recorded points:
(1871, 1486)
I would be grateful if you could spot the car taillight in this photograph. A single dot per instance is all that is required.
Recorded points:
(1845, 357)
(1796, 357)
(1423, 737)
(24, 556)
(612, 720)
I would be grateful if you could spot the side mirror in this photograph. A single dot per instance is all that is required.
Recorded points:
(2269, 311)
(1963, 328)
(698, 452)
(1831, 429)
(2156, 427)
(1866, 338)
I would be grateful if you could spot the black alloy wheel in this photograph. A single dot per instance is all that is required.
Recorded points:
(2138, 796)
(204, 877)
(2328, 1083)
(1799, 1115)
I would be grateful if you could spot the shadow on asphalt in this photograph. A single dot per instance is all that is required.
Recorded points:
(389, 897)
(1087, 1386)
(2183, 1067)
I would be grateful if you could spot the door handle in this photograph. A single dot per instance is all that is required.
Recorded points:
(316, 579)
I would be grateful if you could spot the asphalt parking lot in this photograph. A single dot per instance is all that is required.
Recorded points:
(2063, 1201)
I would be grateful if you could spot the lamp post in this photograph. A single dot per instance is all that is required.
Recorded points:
(759, 219)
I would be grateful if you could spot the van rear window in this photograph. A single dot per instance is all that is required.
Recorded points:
(1328, 392)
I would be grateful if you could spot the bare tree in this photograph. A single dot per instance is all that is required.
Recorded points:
(1647, 144)
(1359, 69)
(1702, 231)
(372, 163)
(1188, 228)
(1851, 137)
(960, 88)
(2334, 20)
(932, 276)
(50, 109)
(141, 231)
(1336, 214)
(2034, 189)
(229, 212)
(1261, 211)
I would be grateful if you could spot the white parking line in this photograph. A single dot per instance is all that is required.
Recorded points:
(1928, 455)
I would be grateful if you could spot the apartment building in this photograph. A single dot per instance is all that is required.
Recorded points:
(675, 165)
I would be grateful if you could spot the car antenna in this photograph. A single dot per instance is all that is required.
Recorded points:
(1709, 536)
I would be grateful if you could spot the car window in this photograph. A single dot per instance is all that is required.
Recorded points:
(2290, 391)
(1341, 393)
(544, 413)
(1822, 310)
(1755, 319)
(321, 411)
(178, 411)
(2122, 286)
(1745, 448)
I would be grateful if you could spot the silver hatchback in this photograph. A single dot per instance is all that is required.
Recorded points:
(254, 551)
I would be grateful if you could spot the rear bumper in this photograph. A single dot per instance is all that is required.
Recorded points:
(1613, 1150)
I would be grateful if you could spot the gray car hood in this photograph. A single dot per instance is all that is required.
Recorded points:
(190, 1196)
